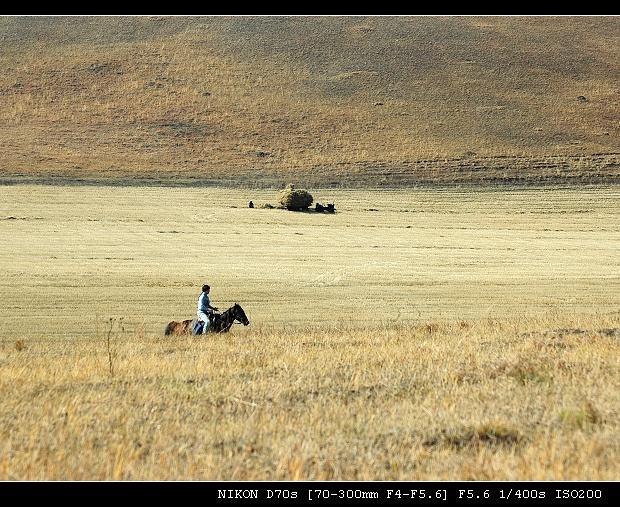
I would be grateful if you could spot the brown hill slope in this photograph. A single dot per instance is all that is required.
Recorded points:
(334, 101)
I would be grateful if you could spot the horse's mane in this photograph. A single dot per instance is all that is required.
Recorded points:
(223, 322)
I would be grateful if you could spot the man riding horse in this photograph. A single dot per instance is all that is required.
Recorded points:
(205, 310)
(212, 322)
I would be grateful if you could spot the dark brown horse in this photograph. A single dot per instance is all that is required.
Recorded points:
(220, 323)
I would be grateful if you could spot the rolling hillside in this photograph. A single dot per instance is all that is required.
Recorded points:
(333, 101)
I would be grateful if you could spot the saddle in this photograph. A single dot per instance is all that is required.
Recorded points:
(198, 325)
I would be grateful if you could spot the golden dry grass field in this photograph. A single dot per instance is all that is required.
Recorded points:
(415, 334)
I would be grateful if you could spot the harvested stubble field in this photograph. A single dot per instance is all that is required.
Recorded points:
(415, 334)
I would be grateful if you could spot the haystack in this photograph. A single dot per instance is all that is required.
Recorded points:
(295, 199)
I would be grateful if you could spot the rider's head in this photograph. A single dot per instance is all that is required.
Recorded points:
(206, 288)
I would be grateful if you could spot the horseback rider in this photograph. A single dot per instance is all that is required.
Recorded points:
(205, 310)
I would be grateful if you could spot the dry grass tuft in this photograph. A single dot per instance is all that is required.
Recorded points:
(431, 327)
(487, 434)
(527, 370)
(583, 418)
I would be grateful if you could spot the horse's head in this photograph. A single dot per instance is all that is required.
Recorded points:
(240, 315)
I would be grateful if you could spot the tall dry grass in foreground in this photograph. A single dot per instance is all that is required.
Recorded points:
(525, 398)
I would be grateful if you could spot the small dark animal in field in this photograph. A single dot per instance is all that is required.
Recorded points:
(220, 323)
(319, 208)
(251, 205)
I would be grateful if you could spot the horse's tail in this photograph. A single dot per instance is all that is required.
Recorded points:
(169, 328)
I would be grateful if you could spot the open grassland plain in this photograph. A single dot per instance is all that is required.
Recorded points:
(334, 101)
(419, 334)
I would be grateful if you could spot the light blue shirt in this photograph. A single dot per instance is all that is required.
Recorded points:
(203, 303)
